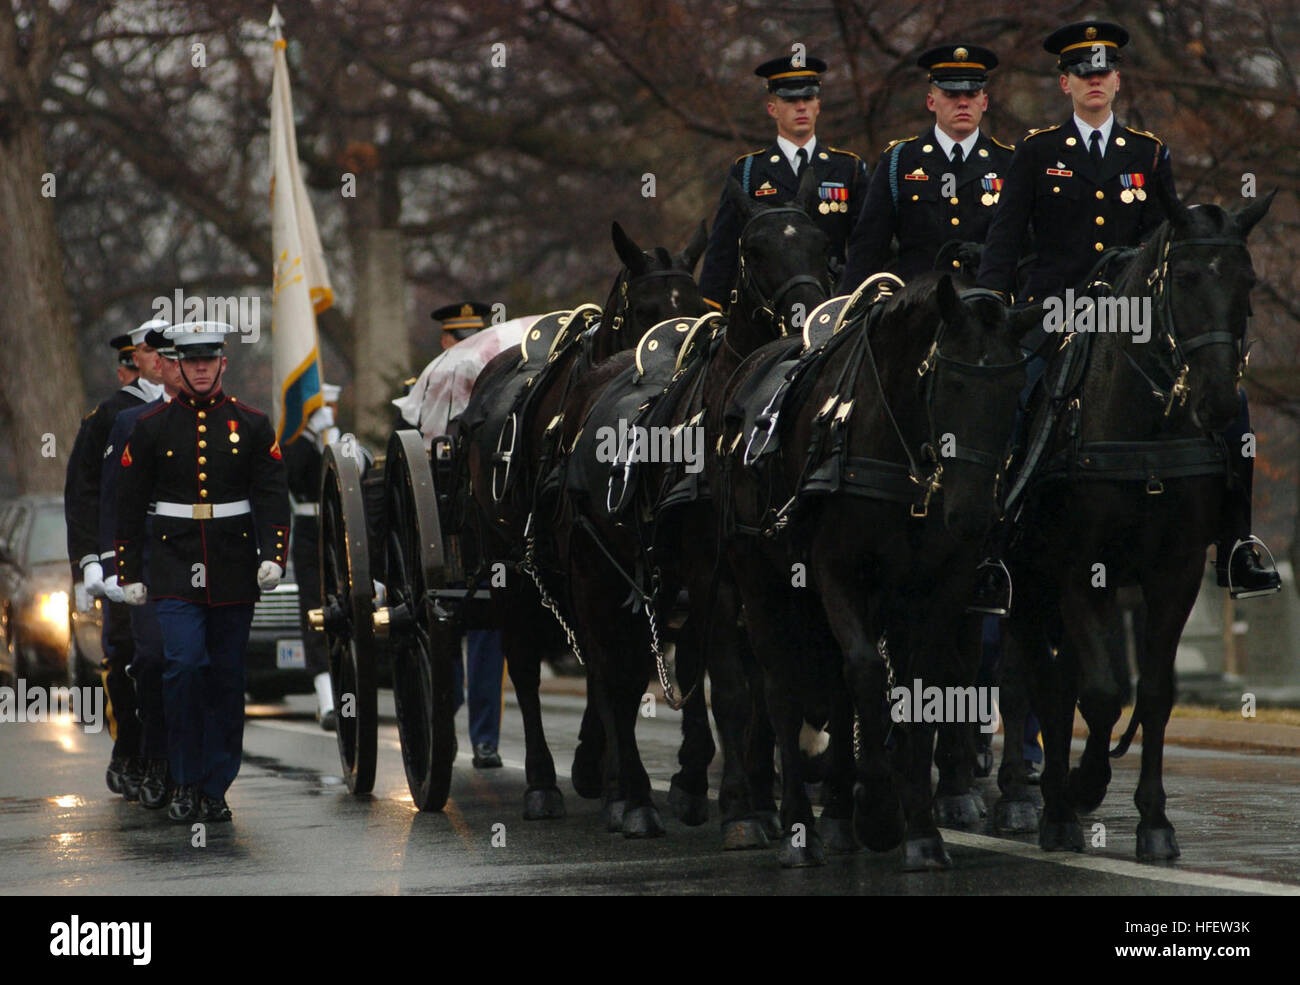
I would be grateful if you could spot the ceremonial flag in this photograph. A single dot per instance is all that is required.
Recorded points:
(302, 287)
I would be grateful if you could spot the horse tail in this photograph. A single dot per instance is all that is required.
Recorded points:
(1126, 739)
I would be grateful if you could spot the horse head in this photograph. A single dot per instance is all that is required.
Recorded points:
(1198, 271)
(972, 377)
(784, 265)
(652, 286)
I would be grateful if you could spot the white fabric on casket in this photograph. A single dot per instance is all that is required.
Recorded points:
(443, 389)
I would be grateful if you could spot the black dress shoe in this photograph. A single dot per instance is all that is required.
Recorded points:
(132, 778)
(486, 757)
(113, 775)
(214, 809)
(156, 785)
(1245, 576)
(185, 803)
(992, 594)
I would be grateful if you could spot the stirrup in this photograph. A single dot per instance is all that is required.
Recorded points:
(1242, 593)
(993, 609)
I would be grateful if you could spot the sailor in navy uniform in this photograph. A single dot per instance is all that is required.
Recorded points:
(771, 176)
(1084, 185)
(940, 186)
(212, 469)
(81, 503)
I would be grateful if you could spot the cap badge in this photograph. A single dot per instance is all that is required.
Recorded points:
(960, 54)
(1090, 34)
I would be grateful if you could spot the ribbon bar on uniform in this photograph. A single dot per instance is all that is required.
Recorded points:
(203, 511)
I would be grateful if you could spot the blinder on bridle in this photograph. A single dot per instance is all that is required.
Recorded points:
(927, 373)
(1177, 366)
(764, 308)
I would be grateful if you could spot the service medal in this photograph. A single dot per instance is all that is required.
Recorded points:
(1126, 196)
(824, 208)
(1141, 194)
(986, 198)
(234, 435)
(992, 186)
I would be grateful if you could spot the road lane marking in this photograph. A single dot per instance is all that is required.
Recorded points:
(1004, 846)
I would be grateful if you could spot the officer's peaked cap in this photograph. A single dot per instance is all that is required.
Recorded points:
(1088, 47)
(793, 76)
(959, 67)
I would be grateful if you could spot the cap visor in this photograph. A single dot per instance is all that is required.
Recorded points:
(959, 85)
(803, 92)
(200, 351)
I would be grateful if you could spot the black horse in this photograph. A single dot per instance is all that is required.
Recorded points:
(511, 516)
(1128, 492)
(836, 544)
(667, 541)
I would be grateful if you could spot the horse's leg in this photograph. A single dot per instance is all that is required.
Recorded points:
(688, 793)
(521, 611)
(1020, 680)
(589, 754)
(957, 802)
(836, 822)
(1170, 594)
(629, 680)
(1059, 827)
(760, 741)
(1090, 615)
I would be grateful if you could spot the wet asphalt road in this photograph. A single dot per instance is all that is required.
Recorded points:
(298, 831)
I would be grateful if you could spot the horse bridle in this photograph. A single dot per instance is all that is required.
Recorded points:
(763, 308)
(627, 283)
(1177, 367)
(927, 372)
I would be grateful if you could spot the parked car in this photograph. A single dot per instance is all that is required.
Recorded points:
(35, 585)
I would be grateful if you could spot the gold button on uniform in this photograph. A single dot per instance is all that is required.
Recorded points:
(169, 453)
(1100, 193)
(952, 201)
(955, 221)
(1056, 189)
(203, 444)
(203, 477)
(203, 428)
(203, 459)
(1098, 247)
(202, 414)
(203, 493)
(916, 198)
(1101, 221)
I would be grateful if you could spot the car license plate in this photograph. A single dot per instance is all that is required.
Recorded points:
(290, 655)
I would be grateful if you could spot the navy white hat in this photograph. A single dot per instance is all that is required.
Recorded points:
(161, 340)
(789, 79)
(1088, 47)
(154, 324)
(959, 67)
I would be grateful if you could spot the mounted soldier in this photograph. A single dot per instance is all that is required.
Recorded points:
(771, 176)
(937, 187)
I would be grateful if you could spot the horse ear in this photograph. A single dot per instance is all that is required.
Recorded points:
(1245, 219)
(690, 255)
(806, 197)
(628, 251)
(742, 203)
(950, 306)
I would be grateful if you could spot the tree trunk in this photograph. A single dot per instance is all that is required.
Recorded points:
(41, 393)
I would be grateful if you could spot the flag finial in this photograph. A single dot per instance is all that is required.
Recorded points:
(275, 23)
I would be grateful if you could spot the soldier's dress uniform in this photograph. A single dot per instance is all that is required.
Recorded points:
(767, 177)
(81, 506)
(905, 201)
(215, 475)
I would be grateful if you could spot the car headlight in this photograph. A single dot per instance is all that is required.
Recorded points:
(52, 609)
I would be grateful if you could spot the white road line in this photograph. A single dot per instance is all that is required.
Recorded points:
(1092, 863)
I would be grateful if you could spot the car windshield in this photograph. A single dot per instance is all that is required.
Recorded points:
(48, 540)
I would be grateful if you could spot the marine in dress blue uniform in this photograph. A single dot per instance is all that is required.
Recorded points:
(212, 469)
(906, 202)
(81, 505)
(771, 176)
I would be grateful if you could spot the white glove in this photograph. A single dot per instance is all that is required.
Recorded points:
(81, 598)
(92, 579)
(269, 575)
(134, 593)
(113, 592)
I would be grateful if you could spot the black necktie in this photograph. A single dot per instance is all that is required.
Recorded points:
(1094, 147)
(800, 161)
(957, 155)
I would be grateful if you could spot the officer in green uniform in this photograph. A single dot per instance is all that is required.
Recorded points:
(936, 187)
(771, 176)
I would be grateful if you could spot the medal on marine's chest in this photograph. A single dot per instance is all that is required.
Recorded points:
(992, 186)
(234, 433)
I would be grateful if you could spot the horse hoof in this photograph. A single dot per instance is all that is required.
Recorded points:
(543, 805)
(959, 810)
(586, 775)
(612, 813)
(692, 809)
(837, 834)
(807, 853)
(1085, 790)
(642, 822)
(1156, 844)
(878, 823)
(771, 824)
(925, 855)
(1015, 817)
(744, 833)
(1060, 836)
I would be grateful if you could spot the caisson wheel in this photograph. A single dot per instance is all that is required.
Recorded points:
(422, 645)
(347, 607)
